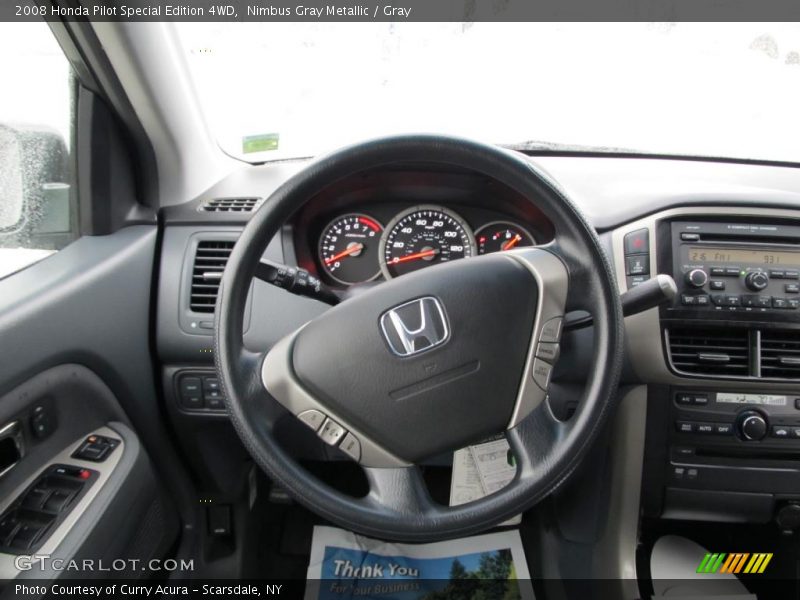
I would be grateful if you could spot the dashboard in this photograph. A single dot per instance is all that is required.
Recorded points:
(712, 382)
(383, 225)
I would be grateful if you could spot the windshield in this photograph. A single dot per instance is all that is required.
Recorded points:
(283, 90)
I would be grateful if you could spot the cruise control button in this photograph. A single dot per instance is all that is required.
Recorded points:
(351, 446)
(312, 418)
(331, 432)
(551, 331)
(548, 351)
(541, 373)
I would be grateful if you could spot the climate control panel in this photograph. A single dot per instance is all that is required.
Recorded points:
(737, 417)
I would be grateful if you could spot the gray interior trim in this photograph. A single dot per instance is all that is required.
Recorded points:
(53, 546)
(615, 551)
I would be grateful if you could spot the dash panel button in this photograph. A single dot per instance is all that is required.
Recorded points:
(351, 446)
(551, 330)
(313, 418)
(541, 373)
(331, 432)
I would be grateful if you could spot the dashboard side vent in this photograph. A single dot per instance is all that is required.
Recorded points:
(231, 205)
(210, 259)
(780, 354)
(706, 351)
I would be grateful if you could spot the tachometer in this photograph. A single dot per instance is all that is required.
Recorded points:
(348, 249)
(500, 236)
(424, 236)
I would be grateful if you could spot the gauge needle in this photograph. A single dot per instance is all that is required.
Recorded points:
(511, 243)
(423, 254)
(351, 250)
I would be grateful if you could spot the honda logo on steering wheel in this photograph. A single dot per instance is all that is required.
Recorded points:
(415, 326)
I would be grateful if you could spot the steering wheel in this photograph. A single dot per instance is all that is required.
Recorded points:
(429, 362)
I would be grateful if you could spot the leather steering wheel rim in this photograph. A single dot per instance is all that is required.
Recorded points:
(547, 450)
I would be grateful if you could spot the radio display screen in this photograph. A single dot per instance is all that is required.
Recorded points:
(761, 399)
(739, 255)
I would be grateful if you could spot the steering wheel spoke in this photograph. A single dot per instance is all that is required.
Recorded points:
(532, 439)
(401, 490)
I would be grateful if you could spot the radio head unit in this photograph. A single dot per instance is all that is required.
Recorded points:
(736, 270)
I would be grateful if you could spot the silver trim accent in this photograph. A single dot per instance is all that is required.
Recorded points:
(427, 327)
(279, 380)
(643, 330)
(7, 568)
(552, 279)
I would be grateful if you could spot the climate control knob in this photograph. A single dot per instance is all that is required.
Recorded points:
(756, 281)
(751, 426)
(696, 278)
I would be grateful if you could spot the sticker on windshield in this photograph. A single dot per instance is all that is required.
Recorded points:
(260, 143)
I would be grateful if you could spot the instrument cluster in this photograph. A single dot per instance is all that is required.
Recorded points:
(356, 247)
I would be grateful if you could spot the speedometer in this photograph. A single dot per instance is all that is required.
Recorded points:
(424, 236)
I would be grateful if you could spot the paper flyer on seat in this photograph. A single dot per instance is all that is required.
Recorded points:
(346, 565)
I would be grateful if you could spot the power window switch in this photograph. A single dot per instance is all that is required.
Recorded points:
(219, 520)
(8, 526)
(57, 501)
(35, 498)
(27, 535)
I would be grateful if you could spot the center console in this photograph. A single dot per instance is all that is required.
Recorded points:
(722, 363)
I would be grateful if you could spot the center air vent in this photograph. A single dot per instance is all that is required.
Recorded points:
(707, 351)
(209, 263)
(231, 205)
(780, 354)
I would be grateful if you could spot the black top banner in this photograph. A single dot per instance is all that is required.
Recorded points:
(401, 10)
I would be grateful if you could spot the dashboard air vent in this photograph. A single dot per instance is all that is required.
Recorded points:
(231, 205)
(706, 351)
(209, 263)
(780, 354)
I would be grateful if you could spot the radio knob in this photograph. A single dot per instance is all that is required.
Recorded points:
(752, 426)
(696, 278)
(756, 281)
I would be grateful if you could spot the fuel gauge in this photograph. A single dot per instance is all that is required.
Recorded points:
(500, 236)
